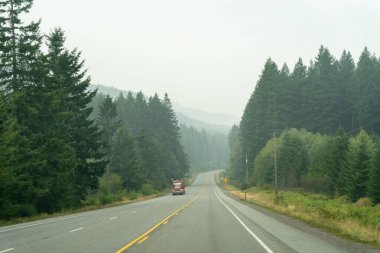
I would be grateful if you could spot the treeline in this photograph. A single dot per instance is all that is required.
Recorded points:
(50, 152)
(206, 150)
(143, 140)
(53, 151)
(335, 99)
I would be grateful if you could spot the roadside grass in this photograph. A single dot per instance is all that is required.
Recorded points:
(337, 215)
(101, 200)
(95, 202)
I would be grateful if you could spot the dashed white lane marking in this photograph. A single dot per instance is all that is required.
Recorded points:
(6, 250)
(47, 222)
(267, 249)
(113, 218)
(74, 230)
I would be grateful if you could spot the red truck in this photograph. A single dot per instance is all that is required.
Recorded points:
(178, 187)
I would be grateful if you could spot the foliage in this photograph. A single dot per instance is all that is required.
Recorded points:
(206, 150)
(374, 176)
(336, 214)
(334, 107)
(358, 164)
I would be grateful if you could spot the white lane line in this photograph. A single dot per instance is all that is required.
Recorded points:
(113, 218)
(6, 250)
(46, 222)
(242, 223)
(74, 230)
(133, 212)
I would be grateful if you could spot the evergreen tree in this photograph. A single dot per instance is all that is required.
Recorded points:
(20, 45)
(259, 118)
(322, 94)
(292, 159)
(364, 92)
(346, 72)
(356, 172)
(374, 177)
(69, 83)
(108, 121)
(126, 162)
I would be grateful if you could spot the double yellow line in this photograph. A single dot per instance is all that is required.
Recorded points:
(144, 236)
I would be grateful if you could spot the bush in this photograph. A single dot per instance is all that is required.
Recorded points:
(24, 210)
(363, 202)
(132, 195)
(110, 183)
(344, 199)
(91, 200)
(106, 199)
(278, 199)
(147, 189)
(267, 187)
(313, 183)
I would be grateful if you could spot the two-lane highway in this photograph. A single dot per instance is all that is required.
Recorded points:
(203, 220)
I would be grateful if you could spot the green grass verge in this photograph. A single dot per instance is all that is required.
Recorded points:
(334, 214)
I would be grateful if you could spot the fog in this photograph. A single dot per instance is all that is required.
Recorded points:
(206, 54)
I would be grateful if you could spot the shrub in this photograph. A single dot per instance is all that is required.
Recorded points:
(344, 199)
(278, 199)
(363, 202)
(106, 199)
(313, 183)
(110, 183)
(147, 189)
(24, 210)
(267, 187)
(132, 195)
(91, 200)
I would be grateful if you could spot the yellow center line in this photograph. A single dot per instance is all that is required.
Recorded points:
(143, 240)
(165, 222)
(144, 236)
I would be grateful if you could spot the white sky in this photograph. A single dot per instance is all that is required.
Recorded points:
(207, 54)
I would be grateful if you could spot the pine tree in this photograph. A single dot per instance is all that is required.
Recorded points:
(259, 118)
(21, 44)
(346, 72)
(322, 94)
(364, 92)
(374, 177)
(69, 85)
(108, 121)
(125, 161)
(358, 163)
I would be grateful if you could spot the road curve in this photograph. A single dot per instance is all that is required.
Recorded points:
(203, 220)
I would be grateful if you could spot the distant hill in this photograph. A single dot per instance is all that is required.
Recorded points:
(214, 122)
(113, 92)
(188, 121)
(213, 118)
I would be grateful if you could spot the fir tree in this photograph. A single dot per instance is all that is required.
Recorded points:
(356, 172)
(374, 177)
(69, 82)
(125, 161)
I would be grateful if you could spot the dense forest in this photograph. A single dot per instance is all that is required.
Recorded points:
(52, 153)
(335, 105)
(206, 150)
(143, 136)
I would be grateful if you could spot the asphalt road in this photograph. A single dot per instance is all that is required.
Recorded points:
(202, 220)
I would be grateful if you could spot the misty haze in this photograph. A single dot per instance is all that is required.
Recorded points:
(189, 126)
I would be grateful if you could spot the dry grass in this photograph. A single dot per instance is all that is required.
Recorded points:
(346, 219)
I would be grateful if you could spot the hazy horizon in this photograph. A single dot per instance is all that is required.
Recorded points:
(206, 55)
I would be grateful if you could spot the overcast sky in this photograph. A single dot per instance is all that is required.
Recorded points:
(207, 54)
